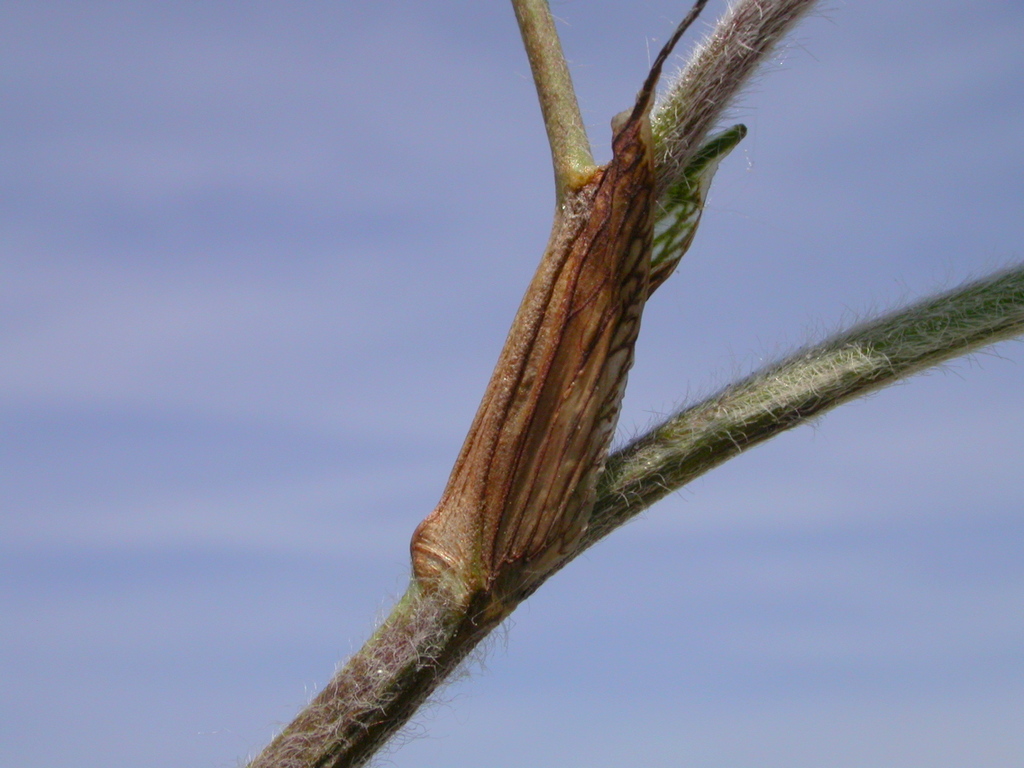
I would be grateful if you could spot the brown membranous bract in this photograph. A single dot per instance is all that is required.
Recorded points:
(520, 496)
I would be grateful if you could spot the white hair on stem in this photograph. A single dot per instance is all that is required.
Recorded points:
(811, 381)
(716, 72)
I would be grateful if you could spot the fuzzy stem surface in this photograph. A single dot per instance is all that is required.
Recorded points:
(426, 638)
(414, 650)
(427, 635)
(715, 73)
(867, 357)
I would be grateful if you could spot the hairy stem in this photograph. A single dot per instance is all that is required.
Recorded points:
(714, 75)
(380, 687)
(430, 631)
(570, 147)
(425, 639)
(810, 382)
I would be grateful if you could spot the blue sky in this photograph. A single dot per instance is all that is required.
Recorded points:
(256, 262)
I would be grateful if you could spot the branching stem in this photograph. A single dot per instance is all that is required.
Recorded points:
(424, 640)
(430, 632)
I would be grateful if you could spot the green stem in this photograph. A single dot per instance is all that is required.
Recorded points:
(570, 148)
(380, 687)
(810, 382)
(426, 638)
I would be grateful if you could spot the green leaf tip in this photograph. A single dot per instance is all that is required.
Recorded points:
(681, 205)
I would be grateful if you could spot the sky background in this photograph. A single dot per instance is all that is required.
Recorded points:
(256, 263)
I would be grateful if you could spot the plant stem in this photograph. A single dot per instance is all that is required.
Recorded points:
(380, 687)
(430, 632)
(715, 73)
(425, 639)
(867, 357)
(570, 147)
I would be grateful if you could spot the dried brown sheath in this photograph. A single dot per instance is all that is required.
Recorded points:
(521, 493)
